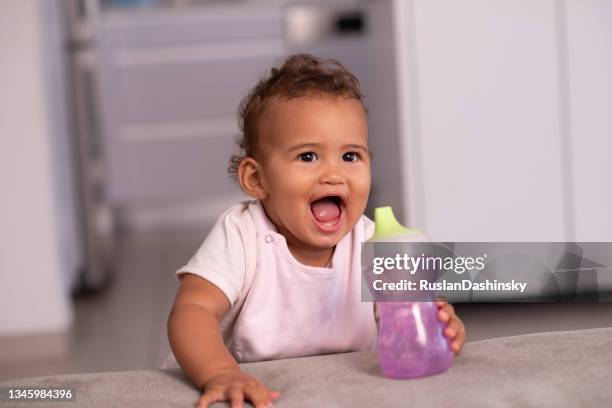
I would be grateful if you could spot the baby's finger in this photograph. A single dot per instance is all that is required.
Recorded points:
(236, 397)
(452, 328)
(459, 341)
(440, 302)
(258, 394)
(446, 312)
(209, 397)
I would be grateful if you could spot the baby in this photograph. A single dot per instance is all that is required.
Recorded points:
(279, 276)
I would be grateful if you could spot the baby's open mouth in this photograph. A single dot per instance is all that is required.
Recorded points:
(327, 210)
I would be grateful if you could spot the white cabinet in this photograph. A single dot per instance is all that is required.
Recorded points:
(170, 84)
(504, 118)
(170, 81)
(589, 58)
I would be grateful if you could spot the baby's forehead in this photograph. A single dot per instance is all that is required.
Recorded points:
(329, 119)
(293, 125)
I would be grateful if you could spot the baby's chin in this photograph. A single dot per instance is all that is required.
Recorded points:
(326, 242)
(324, 245)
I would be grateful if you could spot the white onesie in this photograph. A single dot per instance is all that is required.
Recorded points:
(281, 308)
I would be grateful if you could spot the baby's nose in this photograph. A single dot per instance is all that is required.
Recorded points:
(332, 177)
(332, 172)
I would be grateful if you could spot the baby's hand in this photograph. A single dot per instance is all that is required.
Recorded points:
(455, 329)
(235, 386)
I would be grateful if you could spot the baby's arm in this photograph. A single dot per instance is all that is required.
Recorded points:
(197, 344)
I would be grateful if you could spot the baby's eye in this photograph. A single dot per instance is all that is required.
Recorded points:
(350, 156)
(308, 156)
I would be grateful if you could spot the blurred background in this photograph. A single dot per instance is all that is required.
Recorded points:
(490, 120)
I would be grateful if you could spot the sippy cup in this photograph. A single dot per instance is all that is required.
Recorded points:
(410, 340)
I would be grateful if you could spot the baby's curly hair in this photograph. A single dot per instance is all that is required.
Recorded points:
(300, 75)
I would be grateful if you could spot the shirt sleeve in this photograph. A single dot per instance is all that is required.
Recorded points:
(222, 258)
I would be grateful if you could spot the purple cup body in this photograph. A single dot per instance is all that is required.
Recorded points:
(411, 342)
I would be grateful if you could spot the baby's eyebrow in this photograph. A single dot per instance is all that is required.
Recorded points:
(357, 146)
(302, 145)
(315, 145)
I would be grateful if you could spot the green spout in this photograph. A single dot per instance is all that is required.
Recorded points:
(388, 229)
(387, 225)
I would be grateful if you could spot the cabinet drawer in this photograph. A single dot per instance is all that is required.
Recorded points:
(148, 90)
(140, 171)
(179, 26)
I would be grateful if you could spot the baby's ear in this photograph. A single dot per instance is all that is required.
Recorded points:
(250, 176)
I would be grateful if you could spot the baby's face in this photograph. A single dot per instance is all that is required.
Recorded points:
(315, 168)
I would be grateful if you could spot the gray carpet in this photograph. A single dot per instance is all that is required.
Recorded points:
(555, 369)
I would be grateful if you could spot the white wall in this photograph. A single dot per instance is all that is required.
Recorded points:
(33, 282)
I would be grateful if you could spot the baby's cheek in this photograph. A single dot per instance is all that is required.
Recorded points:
(362, 190)
(352, 218)
(359, 203)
